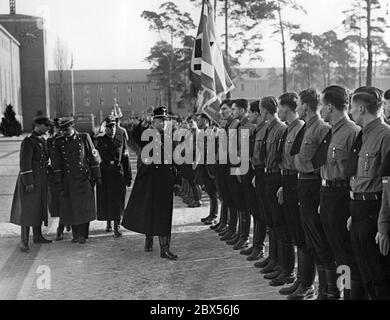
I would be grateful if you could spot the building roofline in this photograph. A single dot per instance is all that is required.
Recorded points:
(9, 35)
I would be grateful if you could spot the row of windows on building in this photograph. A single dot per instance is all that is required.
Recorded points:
(116, 100)
(115, 89)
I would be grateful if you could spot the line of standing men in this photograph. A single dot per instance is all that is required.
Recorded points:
(321, 185)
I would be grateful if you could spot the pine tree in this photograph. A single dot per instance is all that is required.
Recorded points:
(10, 126)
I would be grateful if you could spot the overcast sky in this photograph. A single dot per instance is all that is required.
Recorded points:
(110, 34)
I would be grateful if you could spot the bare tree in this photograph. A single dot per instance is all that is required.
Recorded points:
(61, 92)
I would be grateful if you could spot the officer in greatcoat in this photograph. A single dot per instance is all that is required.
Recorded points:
(150, 206)
(29, 205)
(76, 165)
(116, 175)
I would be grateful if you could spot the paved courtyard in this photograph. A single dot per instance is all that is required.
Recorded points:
(109, 268)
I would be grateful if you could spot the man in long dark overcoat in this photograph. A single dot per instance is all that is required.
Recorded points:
(29, 205)
(76, 165)
(116, 175)
(150, 207)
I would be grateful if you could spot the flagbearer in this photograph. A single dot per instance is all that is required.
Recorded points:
(29, 205)
(77, 171)
(116, 175)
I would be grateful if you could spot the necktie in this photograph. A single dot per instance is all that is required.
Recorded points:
(279, 151)
(321, 155)
(354, 155)
(263, 149)
(296, 147)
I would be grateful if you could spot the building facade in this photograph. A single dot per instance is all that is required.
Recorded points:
(30, 32)
(97, 91)
(10, 87)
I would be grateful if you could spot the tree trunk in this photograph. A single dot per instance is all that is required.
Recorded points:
(283, 48)
(228, 96)
(369, 44)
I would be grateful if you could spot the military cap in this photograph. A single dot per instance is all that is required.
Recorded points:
(66, 122)
(160, 113)
(110, 121)
(42, 119)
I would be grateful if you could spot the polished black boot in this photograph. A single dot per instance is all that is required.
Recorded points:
(241, 244)
(225, 231)
(108, 227)
(60, 232)
(37, 236)
(256, 254)
(262, 263)
(164, 248)
(322, 283)
(75, 234)
(216, 226)
(117, 233)
(287, 261)
(247, 252)
(221, 227)
(273, 275)
(305, 289)
(233, 240)
(291, 289)
(273, 254)
(228, 235)
(331, 278)
(148, 243)
(24, 235)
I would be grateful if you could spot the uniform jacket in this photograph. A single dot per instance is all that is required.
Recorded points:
(30, 209)
(116, 173)
(150, 206)
(54, 192)
(76, 167)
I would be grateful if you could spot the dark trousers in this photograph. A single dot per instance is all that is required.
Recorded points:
(211, 188)
(334, 214)
(224, 213)
(260, 193)
(252, 203)
(275, 216)
(291, 213)
(374, 267)
(244, 224)
(81, 230)
(309, 199)
(232, 219)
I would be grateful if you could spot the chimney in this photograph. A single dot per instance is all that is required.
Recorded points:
(12, 7)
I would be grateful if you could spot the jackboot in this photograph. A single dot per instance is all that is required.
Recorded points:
(165, 252)
(273, 254)
(305, 289)
(247, 252)
(75, 234)
(216, 226)
(273, 275)
(333, 292)
(117, 233)
(228, 235)
(108, 227)
(37, 236)
(291, 289)
(322, 283)
(256, 254)
(241, 244)
(213, 211)
(149, 243)
(233, 240)
(60, 232)
(24, 235)
(262, 263)
(287, 258)
(221, 227)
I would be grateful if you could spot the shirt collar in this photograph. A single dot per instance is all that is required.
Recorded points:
(244, 121)
(272, 124)
(312, 120)
(368, 128)
(339, 124)
(293, 124)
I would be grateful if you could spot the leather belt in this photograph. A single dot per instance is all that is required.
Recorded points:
(308, 176)
(335, 183)
(269, 171)
(366, 196)
(289, 172)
